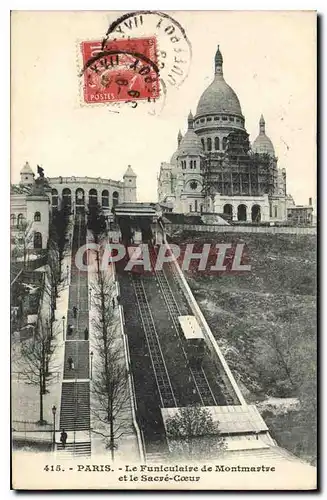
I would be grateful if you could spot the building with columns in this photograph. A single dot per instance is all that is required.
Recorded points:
(216, 169)
(33, 201)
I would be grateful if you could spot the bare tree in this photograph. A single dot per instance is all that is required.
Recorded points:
(53, 274)
(192, 433)
(110, 379)
(58, 231)
(36, 358)
(97, 225)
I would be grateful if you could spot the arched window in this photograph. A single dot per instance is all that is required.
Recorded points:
(54, 195)
(67, 197)
(183, 164)
(79, 196)
(224, 142)
(209, 144)
(217, 143)
(194, 164)
(241, 213)
(196, 205)
(37, 217)
(20, 220)
(105, 198)
(12, 219)
(202, 140)
(256, 213)
(228, 210)
(93, 197)
(115, 198)
(37, 240)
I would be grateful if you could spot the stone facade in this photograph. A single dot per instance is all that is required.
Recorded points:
(31, 206)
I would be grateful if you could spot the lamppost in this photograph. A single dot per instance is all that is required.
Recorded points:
(91, 358)
(63, 328)
(54, 409)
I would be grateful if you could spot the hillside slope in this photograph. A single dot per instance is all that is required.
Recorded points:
(265, 323)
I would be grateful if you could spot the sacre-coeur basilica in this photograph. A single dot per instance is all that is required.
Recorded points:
(215, 169)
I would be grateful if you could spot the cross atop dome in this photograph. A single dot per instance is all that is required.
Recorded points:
(262, 125)
(218, 62)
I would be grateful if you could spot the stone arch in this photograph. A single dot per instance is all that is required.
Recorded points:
(37, 240)
(80, 196)
(115, 198)
(228, 210)
(256, 213)
(242, 213)
(105, 198)
(67, 197)
(93, 196)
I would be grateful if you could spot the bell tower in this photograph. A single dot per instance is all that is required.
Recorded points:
(26, 175)
(130, 185)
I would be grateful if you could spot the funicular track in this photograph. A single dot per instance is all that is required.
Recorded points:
(224, 396)
(166, 392)
(198, 375)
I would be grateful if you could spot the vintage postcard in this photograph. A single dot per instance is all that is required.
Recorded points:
(163, 250)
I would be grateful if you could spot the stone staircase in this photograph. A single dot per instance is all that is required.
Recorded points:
(75, 406)
(71, 450)
(157, 451)
(79, 351)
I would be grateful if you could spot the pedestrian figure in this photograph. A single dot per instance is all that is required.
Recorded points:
(86, 334)
(70, 363)
(63, 438)
(74, 312)
(113, 303)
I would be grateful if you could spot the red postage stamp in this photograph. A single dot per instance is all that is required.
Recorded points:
(124, 70)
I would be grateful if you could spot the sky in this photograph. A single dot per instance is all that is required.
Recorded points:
(269, 61)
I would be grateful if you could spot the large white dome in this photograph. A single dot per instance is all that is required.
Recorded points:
(219, 97)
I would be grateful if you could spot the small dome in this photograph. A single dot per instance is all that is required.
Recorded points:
(190, 144)
(26, 169)
(262, 144)
(219, 97)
